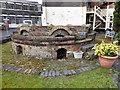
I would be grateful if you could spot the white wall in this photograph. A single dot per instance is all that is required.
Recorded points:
(65, 15)
(110, 11)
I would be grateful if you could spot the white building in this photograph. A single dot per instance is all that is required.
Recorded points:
(98, 14)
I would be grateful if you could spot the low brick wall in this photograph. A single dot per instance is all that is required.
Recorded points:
(47, 47)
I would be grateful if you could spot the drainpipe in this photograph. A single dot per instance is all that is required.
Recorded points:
(107, 23)
(94, 17)
(44, 16)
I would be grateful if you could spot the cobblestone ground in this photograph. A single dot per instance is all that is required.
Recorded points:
(49, 67)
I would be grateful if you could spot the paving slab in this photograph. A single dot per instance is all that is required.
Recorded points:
(29, 71)
(18, 69)
(65, 72)
(73, 71)
(69, 72)
(57, 73)
(42, 73)
(53, 73)
(22, 70)
(26, 70)
(46, 73)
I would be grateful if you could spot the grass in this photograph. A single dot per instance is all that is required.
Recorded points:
(97, 78)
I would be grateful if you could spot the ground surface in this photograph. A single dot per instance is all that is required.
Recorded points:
(97, 78)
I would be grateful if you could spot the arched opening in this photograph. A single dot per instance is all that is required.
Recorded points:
(60, 33)
(24, 32)
(61, 53)
(19, 50)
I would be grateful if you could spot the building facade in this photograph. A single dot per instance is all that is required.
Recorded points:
(98, 14)
(15, 11)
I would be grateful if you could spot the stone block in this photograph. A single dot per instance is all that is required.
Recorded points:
(57, 73)
(46, 73)
(73, 72)
(42, 74)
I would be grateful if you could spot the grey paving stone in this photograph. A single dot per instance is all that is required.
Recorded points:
(92, 67)
(29, 71)
(65, 72)
(50, 73)
(26, 70)
(18, 69)
(22, 70)
(77, 71)
(119, 85)
(83, 69)
(89, 68)
(42, 73)
(86, 69)
(69, 72)
(46, 73)
(36, 72)
(32, 71)
(61, 73)
(73, 71)
(8, 68)
(11, 69)
(53, 73)
(57, 73)
(4, 66)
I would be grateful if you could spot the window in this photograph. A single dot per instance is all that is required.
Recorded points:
(111, 18)
(3, 5)
(32, 8)
(25, 7)
(110, 25)
(12, 20)
(1, 19)
(18, 6)
(10, 6)
(0, 4)
(19, 20)
(39, 8)
(36, 8)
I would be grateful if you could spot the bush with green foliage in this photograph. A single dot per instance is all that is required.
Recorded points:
(116, 20)
(117, 37)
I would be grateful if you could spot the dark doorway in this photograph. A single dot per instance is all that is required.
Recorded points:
(61, 53)
(19, 50)
(59, 35)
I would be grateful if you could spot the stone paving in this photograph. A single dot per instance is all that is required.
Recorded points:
(65, 70)
(116, 78)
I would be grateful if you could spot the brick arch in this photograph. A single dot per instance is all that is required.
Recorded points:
(60, 28)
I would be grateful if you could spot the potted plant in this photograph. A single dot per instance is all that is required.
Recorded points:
(107, 53)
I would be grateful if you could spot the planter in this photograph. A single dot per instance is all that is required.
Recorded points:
(107, 62)
(78, 55)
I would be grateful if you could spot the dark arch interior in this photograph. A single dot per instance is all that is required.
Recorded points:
(61, 53)
(60, 33)
(19, 50)
(24, 32)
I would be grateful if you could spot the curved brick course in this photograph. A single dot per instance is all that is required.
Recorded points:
(50, 72)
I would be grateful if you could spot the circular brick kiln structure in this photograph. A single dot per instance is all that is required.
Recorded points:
(53, 42)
